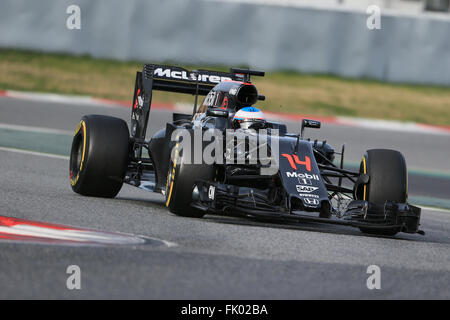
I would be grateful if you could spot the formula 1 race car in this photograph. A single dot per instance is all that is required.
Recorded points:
(225, 158)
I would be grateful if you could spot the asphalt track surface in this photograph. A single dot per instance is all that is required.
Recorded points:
(214, 257)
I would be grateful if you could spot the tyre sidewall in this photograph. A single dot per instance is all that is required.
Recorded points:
(387, 176)
(388, 181)
(181, 178)
(106, 148)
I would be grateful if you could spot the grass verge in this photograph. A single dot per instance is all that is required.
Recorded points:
(321, 95)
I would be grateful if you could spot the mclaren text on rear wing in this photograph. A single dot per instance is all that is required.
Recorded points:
(176, 79)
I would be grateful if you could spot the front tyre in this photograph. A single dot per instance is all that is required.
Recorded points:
(181, 178)
(388, 181)
(99, 156)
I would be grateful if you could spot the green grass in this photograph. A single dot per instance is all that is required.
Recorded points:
(321, 95)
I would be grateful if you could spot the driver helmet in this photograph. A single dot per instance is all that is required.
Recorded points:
(249, 118)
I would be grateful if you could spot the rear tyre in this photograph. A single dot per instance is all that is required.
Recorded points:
(388, 181)
(99, 156)
(181, 178)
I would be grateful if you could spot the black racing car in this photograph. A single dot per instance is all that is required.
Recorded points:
(294, 179)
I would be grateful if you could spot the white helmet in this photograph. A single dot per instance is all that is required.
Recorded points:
(249, 117)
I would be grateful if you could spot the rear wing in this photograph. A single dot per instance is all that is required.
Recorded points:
(175, 79)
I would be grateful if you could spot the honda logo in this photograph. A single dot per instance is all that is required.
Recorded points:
(311, 201)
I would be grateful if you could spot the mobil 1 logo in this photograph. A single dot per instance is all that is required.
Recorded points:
(304, 181)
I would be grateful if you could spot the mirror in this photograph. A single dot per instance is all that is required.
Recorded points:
(306, 123)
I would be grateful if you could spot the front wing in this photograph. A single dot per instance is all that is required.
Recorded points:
(213, 197)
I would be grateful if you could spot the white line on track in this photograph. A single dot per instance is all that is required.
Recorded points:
(34, 129)
(58, 98)
(442, 210)
(34, 153)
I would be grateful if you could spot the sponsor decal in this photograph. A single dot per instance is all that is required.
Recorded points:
(211, 98)
(302, 175)
(190, 76)
(308, 195)
(314, 202)
(140, 101)
(301, 188)
(305, 181)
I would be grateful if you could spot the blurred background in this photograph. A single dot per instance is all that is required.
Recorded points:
(409, 6)
(375, 73)
(323, 57)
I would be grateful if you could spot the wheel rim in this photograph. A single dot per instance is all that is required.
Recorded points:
(77, 153)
